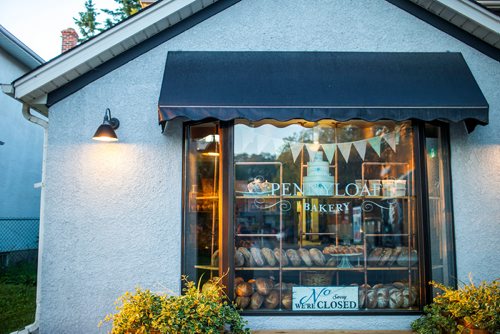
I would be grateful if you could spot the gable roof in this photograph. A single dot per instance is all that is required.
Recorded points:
(115, 46)
(18, 49)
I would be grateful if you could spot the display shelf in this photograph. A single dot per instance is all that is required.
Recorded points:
(206, 267)
(354, 268)
(207, 197)
(300, 268)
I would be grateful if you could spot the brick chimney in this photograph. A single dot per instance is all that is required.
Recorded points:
(69, 39)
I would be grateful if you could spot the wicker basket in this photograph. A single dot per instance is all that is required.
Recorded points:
(317, 278)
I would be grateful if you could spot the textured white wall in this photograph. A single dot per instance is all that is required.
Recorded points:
(113, 216)
(21, 155)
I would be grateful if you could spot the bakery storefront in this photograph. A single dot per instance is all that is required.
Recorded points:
(319, 183)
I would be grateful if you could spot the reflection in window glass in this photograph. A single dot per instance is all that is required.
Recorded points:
(325, 205)
(440, 210)
(201, 211)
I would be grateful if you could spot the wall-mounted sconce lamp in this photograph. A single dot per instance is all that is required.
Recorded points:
(106, 131)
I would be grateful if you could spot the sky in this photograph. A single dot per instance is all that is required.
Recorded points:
(38, 23)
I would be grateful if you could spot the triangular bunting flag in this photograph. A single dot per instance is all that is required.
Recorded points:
(360, 146)
(312, 149)
(375, 144)
(296, 148)
(329, 150)
(345, 149)
(390, 138)
(278, 145)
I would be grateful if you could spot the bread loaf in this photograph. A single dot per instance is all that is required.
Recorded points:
(239, 259)
(269, 256)
(371, 298)
(242, 302)
(281, 257)
(286, 300)
(384, 257)
(264, 286)
(244, 289)
(317, 257)
(404, 259)
(249, 261)
(409, 297)
(238, 280)
(256, 301)
(382, 297)
(332, 262)
(293, 257)
(304, 255)
(395, 298)
(272, 300)
(362, 298)
(374, 256)
(257, 256)
(394, 257)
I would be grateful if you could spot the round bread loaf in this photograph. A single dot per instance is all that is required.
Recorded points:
(286, 300)
(371, 298)
(238, 280)
(374, 256)
(264, 286)
(378, 286)
(382, 297)
(242, 302)
(399, 285)
(293, 257)
(244, 289)
(239, 259)
(272, 300)
(394, 257)
(413, 257)
(249, 261)
(362, 298)
(304, 255)
(404, 259)
(395, 298)
(332, 262)
(317, 257)
(269, 256)
(409, 297)
(281, 257)
(257, 256)
(384, 257)
(256, 301)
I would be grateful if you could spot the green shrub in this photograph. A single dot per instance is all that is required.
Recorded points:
(454, 310)
(205, 311)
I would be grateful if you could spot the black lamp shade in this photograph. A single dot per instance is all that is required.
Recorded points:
(105, 132)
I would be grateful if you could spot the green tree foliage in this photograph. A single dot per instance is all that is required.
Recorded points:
(125, 9)
(87, 21)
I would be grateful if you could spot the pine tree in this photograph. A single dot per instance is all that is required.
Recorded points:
(126, 8)
(87, 21)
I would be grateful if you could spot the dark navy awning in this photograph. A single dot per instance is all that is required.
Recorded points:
(321, 85)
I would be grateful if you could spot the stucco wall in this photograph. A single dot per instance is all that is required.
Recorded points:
(21, 155)
(113, 216)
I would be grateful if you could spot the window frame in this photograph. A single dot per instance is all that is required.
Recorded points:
(226, 217)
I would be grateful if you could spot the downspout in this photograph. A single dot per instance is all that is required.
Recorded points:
(33, 328)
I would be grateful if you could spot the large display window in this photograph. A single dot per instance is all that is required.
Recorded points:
(311, 217)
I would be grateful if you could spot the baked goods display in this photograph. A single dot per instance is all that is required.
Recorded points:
(341, 249)
(396, 295)
(389, 257)
(302, 257)
(262, 293)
